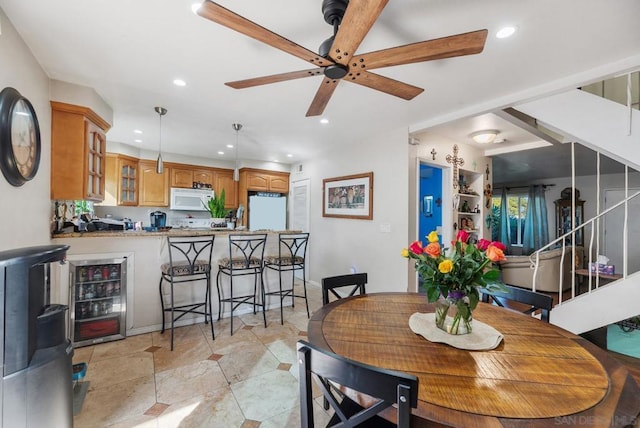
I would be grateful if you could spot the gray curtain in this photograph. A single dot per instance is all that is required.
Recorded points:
(505, 230)
(536, 230)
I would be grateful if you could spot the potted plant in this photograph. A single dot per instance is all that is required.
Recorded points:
(216, 208)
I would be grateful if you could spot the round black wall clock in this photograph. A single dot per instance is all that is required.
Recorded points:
(19, 138)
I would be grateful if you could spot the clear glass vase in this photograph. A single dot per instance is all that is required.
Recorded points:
(454, 315)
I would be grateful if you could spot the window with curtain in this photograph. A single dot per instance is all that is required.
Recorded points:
(516, 209)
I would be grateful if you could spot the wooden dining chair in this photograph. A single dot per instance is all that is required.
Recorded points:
(356, 280)
(387, 388)
(531, 300)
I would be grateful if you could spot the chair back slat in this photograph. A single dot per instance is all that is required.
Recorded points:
(292, 246)
(387, 387)
(535, 301)
(245, 250)
(357, 281)
(190, 252)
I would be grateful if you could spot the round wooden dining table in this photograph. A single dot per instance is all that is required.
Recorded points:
(538, 376)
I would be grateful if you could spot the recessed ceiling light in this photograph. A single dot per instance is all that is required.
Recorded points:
(324, 121)
(137, 131)
(289, 155)
(505, 32)
(195, 7)
(220, 153)
(229, 146)
(179, 82)
(275, 160)
(138, 140)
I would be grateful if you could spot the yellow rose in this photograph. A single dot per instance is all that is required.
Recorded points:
(445, 266)
(404, 253)
(432, 237)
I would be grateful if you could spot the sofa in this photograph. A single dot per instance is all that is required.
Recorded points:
(518, 271)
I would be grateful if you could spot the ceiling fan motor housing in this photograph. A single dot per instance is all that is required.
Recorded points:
(334, 10)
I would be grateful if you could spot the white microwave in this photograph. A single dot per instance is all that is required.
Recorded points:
(190, 199)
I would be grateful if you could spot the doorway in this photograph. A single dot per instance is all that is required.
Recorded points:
(429, 201)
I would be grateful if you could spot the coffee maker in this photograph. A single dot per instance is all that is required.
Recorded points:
(158, 219)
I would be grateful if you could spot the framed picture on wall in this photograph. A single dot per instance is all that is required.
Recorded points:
(350, 196)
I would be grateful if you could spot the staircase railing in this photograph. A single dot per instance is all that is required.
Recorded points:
(569, 237)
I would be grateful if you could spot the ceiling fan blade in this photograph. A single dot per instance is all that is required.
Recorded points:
(356, 23)
(445, 47)
(322, 97)
(218, 14)
(265, 80)
(386, 84)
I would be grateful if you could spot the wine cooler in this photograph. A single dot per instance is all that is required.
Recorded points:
(98, 300)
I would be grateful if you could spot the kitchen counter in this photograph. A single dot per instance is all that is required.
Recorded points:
(147, 252)
(170, 232)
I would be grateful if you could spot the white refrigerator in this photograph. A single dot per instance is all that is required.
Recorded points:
(267, 212)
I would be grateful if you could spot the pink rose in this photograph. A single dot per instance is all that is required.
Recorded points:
(483, 244)
(462, 236)
(499, 244)
(416, 248)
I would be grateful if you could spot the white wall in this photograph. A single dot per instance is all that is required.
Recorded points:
(24, 217)
(336, 244)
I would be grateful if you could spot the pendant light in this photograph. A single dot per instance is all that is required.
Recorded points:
(236, 172)
(159, 165)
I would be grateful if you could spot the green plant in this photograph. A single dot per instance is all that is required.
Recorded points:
(215, 206)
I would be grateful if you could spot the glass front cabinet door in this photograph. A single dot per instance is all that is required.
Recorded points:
(563, 220)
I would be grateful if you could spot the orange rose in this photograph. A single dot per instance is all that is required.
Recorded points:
(433, 250)
(495, 254)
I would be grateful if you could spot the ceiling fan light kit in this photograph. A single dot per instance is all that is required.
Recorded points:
(336, 59)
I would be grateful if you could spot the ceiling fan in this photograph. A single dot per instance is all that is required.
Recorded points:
(336, 58)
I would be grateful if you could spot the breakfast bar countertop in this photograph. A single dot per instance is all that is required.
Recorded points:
(169, 232)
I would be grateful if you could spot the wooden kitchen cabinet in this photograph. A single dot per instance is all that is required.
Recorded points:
(181, 177)
(153, 187)
(259, 180)
(121, 187)
(223, 179)
(185, 175)
(78, 153)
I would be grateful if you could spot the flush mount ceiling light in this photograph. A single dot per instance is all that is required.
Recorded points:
(236, 172)
(484, 137)
(159, 164)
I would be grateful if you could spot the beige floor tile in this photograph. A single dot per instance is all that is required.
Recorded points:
(195, 380)
(285, 349)
(291, 418)
(180, 334)
(216, 409)
(262, 397)
(184, 353)
(120, 348)
(189, 381)
(116, 403)
(247, 360)
(110, 371)
(83, 355)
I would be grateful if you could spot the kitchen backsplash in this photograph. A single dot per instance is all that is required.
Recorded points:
(141, 214)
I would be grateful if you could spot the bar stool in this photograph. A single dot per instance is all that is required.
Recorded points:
(292, 249)
(246, 257)
(189, 260)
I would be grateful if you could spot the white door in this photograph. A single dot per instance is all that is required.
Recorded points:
(300, 213)
(613, 231)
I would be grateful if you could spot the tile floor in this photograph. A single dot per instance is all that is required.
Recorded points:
(246, 380)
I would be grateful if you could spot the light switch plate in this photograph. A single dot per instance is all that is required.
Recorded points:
(385, 227)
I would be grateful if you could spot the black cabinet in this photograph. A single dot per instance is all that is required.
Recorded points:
(563, 220)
